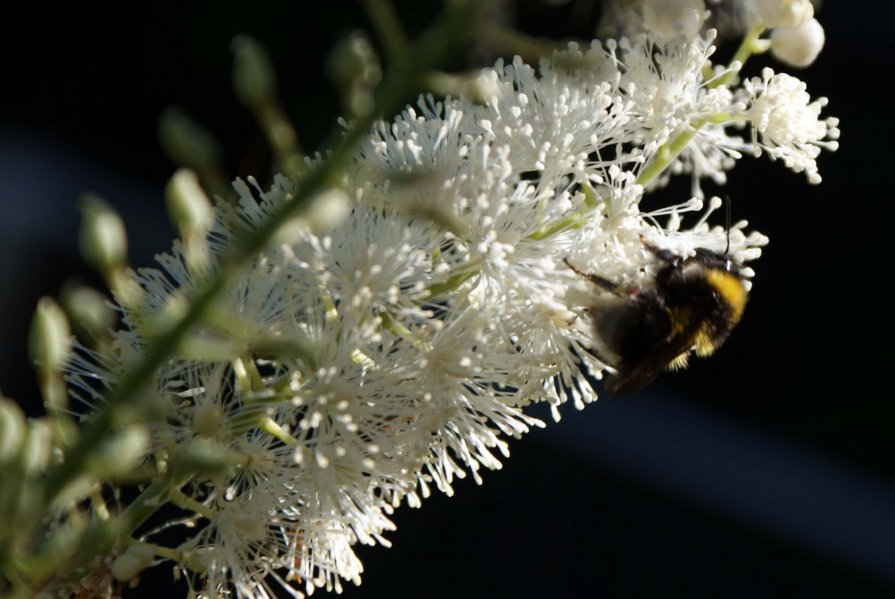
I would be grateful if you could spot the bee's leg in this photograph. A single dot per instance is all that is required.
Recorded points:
(660, 253)
(597, 280)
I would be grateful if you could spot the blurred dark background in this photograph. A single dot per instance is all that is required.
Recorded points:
(766, 471)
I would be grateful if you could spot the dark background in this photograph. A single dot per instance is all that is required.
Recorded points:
(765, 471)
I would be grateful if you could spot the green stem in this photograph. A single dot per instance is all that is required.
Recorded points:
(184, 501)
(270, 426)
(572, 220)
(666, 154)
(394, 327)
(452, 283)
(748, 47)
(151, 499)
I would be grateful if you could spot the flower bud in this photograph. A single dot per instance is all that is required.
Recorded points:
(62, 543)
(89, 309)
(783, 13)
(103, 237)
(38, 447)
(207, 459)
(49, 339)
(188, 206)
(483, 88)
(355, 69)
(187, 143)
(199, 559)
(326, 210)
(673, 18)
(798, 46)
(130, 563)
(119, 454)
(12, 430)
(253, 77)
(207, 419)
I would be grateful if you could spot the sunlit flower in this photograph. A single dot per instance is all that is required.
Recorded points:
(787, 124)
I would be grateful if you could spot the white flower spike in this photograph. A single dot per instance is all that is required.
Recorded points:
(472, 259)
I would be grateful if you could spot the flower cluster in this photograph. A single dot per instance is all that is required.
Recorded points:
(355, 365)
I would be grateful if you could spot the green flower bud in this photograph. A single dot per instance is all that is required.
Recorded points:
(130, 563)
(253, 77)
(188, 206)
(207, 459)
(354, 68)
(38, 447)
(187, 143)
(49, 340)
(120, 453)
(12, 430)
(207, 419)
(89, 309)
(103, 237)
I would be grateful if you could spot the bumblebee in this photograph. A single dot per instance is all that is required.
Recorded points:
(692, 305)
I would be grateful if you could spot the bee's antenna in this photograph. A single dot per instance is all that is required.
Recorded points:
(727, 218)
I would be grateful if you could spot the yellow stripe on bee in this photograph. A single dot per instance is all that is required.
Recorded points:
(731, 290)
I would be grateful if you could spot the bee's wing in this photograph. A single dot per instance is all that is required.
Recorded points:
(637, 376)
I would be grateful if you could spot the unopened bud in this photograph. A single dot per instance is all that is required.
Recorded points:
(798, 46)
(187, 143)
(12, 430)
(103, 237)
(355, 69)
(130, 563)
(207, 419)
(170, 314)
(483, 88)
(38, 447)
(64, 541)
(253, 77)
(674, 18)
(329, 208)
(326, 210)
(207, 459)
(199, 559)
(89, 309)
(188, 206)
(119, 454)
(50, 337)
(783, 13)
